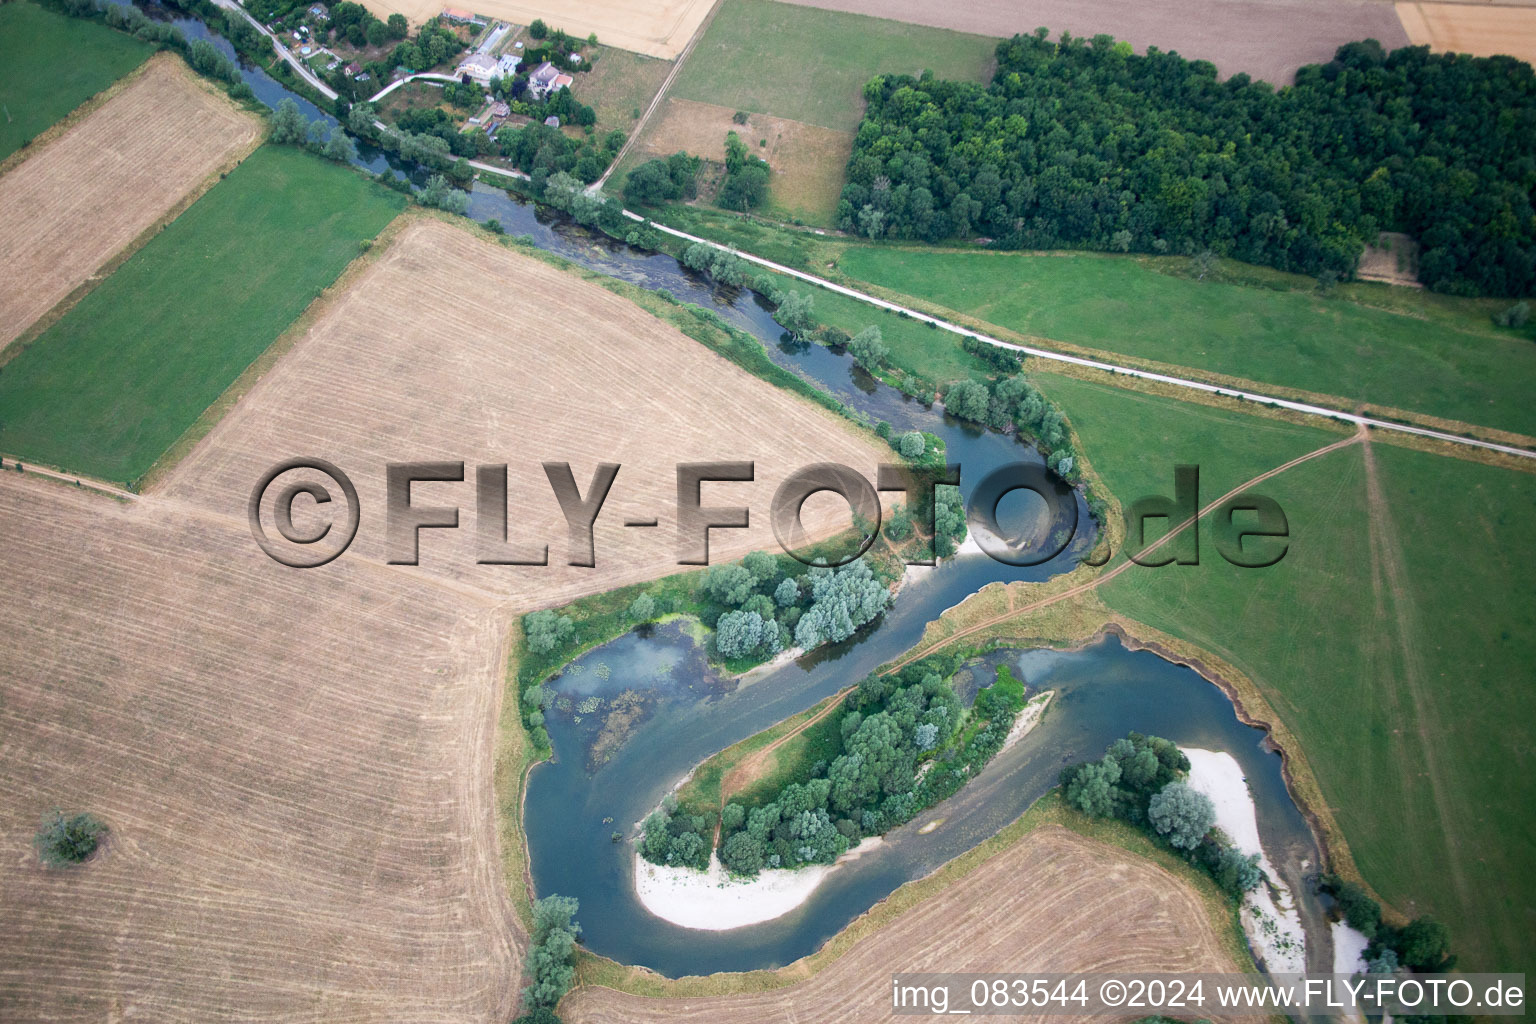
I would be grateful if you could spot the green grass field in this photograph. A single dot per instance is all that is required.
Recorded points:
(114, 383)
(50, 64)
(1394, 640)
(1430, 354)
(620, 83)
(811, 65)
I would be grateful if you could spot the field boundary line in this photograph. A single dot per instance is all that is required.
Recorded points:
(661, 94)
(49, 317)
(1354, 419)
(87, 107)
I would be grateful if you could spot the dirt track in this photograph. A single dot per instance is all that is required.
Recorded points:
(1268, 39)
(68, 208)
(455, 348)
(296, 767)
(1055, 901)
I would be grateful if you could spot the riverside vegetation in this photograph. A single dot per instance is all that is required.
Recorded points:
(895, 746)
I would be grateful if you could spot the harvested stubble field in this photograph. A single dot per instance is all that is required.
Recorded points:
(295, 766)
(1055, 901)
(1472, 28)
(807, 160)
(452, 347)
(657, 29)
(69, 208)
(1268, 39)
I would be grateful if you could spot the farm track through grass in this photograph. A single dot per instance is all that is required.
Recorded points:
(1393, 625)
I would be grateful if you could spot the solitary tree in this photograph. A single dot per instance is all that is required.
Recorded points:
(1182, 815)
(911, 445)
(642, 608)
(64, 841)
(868, 348)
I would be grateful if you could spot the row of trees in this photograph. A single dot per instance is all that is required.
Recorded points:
(1140, 779)
(1084, 144)
(291, 127)
(551, 954)
(1014, 402)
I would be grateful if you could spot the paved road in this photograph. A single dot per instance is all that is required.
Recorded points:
(283, 51)
(1095, 364)
(431, 76)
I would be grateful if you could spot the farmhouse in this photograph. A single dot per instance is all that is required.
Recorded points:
(482, 67)
(547, 79)
(479, 66)
(461, 16)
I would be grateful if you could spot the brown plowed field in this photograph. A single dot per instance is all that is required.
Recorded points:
(454, 348)
(296, 768)
(1483, 31)
(69, 208)
(1053, 902)
(1268, 39)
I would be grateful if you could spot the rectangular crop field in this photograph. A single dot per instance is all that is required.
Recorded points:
(295, 768)
(452, 346)
(50, 64)
(78, 201)
(618, 84)
(810, 65)
(107, 389)
(1439, 357)
(1394, 641)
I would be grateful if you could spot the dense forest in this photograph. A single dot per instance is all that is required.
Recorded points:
(1083, 144)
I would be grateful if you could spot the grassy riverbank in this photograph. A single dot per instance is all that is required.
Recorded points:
(1389, 346)
(1391, 641)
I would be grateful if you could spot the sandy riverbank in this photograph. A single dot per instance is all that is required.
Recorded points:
(714, 901)
(1028, 718)
(1270, 918)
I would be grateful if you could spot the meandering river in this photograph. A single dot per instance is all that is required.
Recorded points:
(683, 711)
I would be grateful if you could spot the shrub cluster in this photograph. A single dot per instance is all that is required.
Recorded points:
(1140, 780)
